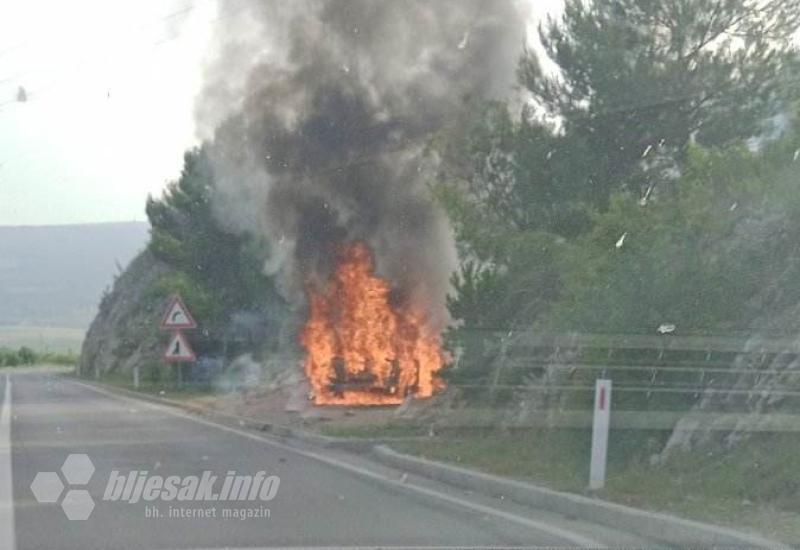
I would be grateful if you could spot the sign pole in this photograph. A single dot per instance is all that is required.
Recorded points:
(136, 377)
(600, 427)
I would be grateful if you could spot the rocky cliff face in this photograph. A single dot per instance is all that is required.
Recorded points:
(762, 398)
(764, 395)
(125, 331)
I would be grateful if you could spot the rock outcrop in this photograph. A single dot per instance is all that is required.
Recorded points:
(125, 331)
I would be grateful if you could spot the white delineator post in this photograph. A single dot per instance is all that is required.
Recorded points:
(600, 425)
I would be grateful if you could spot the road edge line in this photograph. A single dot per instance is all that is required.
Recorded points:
(7, 532)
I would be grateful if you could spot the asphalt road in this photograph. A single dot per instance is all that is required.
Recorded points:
(324, 499)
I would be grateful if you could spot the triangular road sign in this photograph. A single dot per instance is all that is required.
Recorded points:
(177, 316)
(179, 349)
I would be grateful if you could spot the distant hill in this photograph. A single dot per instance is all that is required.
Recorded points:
(55, 275)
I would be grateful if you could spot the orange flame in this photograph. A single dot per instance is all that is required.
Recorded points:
(361, 348)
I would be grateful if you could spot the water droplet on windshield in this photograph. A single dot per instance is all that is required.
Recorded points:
(666, 328)
(464, 41)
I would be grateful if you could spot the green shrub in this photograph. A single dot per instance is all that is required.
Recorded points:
(26, 356)
(52, 358)
(155, 373)
(11, 359)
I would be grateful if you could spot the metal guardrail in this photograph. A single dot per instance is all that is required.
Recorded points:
(666, 342)
(684, 368)
(668, 372)
(627, 419)
(620, 388)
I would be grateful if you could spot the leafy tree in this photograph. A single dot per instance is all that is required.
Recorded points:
(637, 81)
(635, 124)
(11, 359)
(622, 90)
(26, 355)
(218, 271)
(506, 175)
(718, 255)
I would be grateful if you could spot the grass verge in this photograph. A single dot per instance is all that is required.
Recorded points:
(755, 486)
(167, 389)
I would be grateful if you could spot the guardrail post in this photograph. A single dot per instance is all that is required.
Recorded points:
(501, 359)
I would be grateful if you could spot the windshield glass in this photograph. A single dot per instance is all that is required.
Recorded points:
(399, 273)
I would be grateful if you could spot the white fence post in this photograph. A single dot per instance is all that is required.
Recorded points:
(600, 426)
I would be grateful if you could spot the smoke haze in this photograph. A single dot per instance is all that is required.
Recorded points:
(318, 111)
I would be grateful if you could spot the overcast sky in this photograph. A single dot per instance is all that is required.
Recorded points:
(110, 88)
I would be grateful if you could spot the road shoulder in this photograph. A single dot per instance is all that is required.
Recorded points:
(648, 525)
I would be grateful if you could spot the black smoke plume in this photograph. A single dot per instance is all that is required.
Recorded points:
(318, 113)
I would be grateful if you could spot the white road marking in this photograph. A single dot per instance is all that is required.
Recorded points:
(7, 534)
(573, 538)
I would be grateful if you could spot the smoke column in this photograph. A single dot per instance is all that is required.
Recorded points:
(317, 113)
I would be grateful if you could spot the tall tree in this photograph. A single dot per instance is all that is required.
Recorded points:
(224, 266)
(620, 95)
(638, 80)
